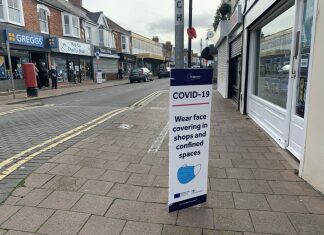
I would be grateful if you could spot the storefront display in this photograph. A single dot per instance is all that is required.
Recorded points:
(72, 60)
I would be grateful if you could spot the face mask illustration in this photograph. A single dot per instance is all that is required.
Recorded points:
(188, 173)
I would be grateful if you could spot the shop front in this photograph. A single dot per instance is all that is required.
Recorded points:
(235, 57)
(150, 61)
(106, 61)
(127, 62)
(278, 48)
(72, 60)
(25, 47)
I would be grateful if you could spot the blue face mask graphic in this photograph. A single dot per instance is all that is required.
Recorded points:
(188, 173)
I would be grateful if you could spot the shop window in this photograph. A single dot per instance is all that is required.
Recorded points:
(43, 20)
(271, 82)
(71, 26)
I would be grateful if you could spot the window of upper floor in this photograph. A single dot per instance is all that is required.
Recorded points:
(88, 34)
(106, 38)
(43, 15)
(71, 25)
(11, 11)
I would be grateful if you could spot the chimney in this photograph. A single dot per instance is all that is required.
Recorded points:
(155, 39)
(77, 3)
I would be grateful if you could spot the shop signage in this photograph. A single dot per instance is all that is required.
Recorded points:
(103, 52)
(236, 18)
(24, 38)
(53, 42)
(73, 47)
(189, 130)
(247, 4)
(2, 67)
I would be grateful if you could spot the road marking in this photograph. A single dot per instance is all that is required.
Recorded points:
(159, 140)
(16, 110)
(24, 109)
(53, 142)
(17, 156)
(15, 166)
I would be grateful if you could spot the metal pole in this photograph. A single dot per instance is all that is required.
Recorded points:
(179, 34)
(189, 40)
(11, 72)
(200, 52)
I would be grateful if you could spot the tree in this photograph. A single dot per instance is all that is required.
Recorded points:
(223, 12)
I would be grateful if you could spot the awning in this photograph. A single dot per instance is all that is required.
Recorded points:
(150, 56)
(208, 53)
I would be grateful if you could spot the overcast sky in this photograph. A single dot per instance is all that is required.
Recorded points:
(156, 17)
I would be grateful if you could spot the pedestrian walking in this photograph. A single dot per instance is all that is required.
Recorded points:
(120, 73)
(43, 75)
(53, 75)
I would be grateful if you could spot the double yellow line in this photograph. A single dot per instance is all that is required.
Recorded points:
(18, 160)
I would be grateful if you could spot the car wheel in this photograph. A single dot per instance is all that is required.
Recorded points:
(131, 81)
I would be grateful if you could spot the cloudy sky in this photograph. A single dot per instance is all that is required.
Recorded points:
(156, 17)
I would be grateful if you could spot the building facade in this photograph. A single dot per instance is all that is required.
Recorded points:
(277, 71)
(149, 53)
(123, 47)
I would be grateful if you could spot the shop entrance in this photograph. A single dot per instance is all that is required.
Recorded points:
(300, 76)
(38, 58)
(235, 78)
(278, 88)
(74, 70)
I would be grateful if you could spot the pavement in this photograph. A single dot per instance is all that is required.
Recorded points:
(111, 183)
(21, 97)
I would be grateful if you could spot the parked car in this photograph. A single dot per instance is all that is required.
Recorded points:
(165, 72)
(195, 67)
(140, 74)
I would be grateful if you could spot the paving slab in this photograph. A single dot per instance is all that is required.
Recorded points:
(35, 197)
(307, 223)
(286, 203)
(196, 217)
(232, 220)
(125, 191)
(61, 200)
(133, 227)
(93, 204)
(28, 219)
(180, 230)
(64, 223)
(100, 225)
(251, 201)
(6, 211)
(271, 222)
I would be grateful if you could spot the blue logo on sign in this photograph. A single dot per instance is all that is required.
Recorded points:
(23, 38)
(187, 173)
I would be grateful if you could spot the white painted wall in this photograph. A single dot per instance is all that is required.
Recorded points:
(313, 168)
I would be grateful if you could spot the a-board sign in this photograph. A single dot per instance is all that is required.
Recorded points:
(189, 131)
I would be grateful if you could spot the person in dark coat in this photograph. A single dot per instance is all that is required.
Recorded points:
(120, 73)
(43, 75)
(53, 75)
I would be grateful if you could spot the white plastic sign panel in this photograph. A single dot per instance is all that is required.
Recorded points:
(189, 131)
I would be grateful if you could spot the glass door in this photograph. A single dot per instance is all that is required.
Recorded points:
(301, 77)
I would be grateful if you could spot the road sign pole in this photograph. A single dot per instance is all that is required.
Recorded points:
(189, 41)
(179, 34)
(11, 72)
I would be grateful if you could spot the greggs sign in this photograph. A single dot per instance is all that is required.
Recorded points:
(24, 38)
